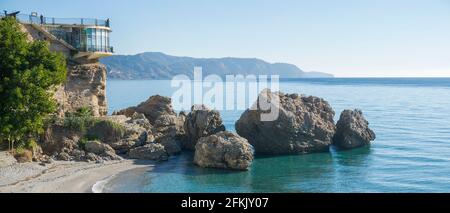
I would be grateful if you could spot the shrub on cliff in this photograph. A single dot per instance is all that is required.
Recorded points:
(80, 120)
(28, 75)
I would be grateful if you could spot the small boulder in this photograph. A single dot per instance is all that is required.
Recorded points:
(151, 151)
(352, 130)
(91, 157)
(201, 122)
(63, 156)
(97, 147)
(78, 155)
(102, 149)
(223, 150)
(24, 156)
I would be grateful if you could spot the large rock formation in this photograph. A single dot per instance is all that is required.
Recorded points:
(85, 87)
(166, 126)
(224, 150)
(352, 130)
(201, 122)
(303, 125)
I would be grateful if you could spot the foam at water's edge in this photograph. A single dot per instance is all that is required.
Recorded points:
(99, 186)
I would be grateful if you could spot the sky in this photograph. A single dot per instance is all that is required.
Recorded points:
(347, 38)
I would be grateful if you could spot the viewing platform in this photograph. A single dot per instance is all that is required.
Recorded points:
(83, 37)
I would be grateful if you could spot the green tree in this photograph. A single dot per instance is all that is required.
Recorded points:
(29, 73)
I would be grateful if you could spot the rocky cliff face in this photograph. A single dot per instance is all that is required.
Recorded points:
(86, 81)
(85, 87)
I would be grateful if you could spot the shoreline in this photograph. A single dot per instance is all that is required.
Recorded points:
(63, 177)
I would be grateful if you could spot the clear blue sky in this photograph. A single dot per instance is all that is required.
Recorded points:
(345, 38)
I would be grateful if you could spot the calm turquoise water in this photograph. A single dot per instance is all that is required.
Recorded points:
(411, 118)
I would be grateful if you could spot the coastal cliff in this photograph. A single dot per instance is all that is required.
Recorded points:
(85, 85)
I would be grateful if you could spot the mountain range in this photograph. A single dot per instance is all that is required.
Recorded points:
(156, 65)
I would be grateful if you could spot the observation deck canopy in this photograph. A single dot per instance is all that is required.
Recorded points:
(85, 37)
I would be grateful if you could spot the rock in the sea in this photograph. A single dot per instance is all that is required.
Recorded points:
(224, 150)
(201, 122)
(352, 130)
(303, 125)
(151, 151)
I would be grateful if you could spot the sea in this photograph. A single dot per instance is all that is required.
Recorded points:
(410, 116)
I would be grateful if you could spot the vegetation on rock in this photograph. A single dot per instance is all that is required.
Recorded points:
(29, 73)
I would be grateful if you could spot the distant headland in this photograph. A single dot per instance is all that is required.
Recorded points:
(156, 65)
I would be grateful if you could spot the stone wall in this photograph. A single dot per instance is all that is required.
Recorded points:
(55, 46)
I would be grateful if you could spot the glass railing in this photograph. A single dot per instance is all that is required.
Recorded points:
(96, 48)
(32, 19)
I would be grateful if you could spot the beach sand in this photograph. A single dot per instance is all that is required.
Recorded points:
(62, 176)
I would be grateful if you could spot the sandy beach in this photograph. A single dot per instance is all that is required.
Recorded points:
(61, 176)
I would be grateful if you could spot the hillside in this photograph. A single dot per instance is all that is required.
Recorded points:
(154, 65)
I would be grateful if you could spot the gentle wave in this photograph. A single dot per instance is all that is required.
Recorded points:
(99, 186)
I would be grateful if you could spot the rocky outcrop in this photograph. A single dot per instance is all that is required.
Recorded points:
(101, 149)
(58, 139)
(352, 130)
(171, 145)
(201, 122)
(224, 150)
(152, 151)
(165, 125)
(152, 108)
(304, 124)
(123, 133)
(85, 87)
